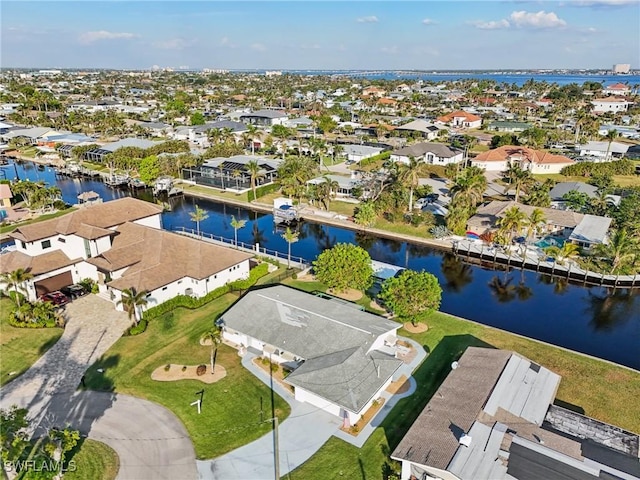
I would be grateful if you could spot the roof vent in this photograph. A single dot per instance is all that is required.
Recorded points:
(454, 365)
(465, 440)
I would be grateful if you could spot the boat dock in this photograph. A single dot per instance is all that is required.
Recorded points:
(474, 251)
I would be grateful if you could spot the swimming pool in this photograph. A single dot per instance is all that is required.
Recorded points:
(550, 242)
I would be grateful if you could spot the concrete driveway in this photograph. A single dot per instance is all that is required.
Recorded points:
(301, 435)
(150, 441)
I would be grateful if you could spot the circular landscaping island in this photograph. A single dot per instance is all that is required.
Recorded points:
(351, 294)
(417, 328)
(174, 372)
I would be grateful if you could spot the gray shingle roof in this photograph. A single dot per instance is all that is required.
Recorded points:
(420, 149)
(558, 191)
(128, 142)
(592, 229)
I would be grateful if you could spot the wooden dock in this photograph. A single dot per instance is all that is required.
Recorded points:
(498, 257)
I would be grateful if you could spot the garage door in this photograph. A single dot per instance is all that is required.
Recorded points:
(54, 283)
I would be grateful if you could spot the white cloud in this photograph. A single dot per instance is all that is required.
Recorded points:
(226, 42)
(428, 21)
(91, 37)
(492, 25)
(173, 44)
(258, 47)
(539, 19)
(369, 19)
(603, 3)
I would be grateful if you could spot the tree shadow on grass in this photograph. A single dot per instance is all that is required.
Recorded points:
(47, 345)
(429, 376)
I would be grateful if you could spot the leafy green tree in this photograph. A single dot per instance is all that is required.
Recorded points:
(366, 214)
(533, 137)
(412, 294)
(469, 187)
(575, 200)
(568, 251)
(512, 222)
(149, 169)
(198, 215)
(326, 124)
(14, 436)
(213, 335)
(538, 194)
(290, 237)
(458, 214)
(132, 301)
(197, 118)
(344, 266)
(237, 224)
(502, 140)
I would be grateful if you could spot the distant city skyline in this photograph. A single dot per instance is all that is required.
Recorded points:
(436, 35)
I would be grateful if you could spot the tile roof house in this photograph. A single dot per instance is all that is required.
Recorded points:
(120, 244)
(603, 105)
(342, 358)
(493, 418)
(617, 89)
(427, 129)
(431, 153)
(536, 161)
(461, 119)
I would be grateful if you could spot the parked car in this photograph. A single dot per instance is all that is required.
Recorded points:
(74, 291)
(57, 298)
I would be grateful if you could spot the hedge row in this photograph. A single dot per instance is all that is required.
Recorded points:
(186, 301)
(40, 323)
(588, 169)
(371, 160)
(263, 190)
(138, 329)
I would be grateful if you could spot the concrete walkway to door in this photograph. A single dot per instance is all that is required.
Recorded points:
(301, 435)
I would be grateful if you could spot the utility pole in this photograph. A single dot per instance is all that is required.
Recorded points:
(276, 449)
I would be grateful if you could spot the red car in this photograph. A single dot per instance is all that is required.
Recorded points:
(57, 298)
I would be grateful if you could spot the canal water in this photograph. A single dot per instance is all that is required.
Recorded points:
(597, 321)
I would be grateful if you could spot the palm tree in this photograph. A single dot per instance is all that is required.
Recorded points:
(16, 280)
(237, 174)
(409, 176)
(518, 179)
(237, 224)
(469, 186)
(198, 215)
(290, 237)
(512, 222)
(568, 251)
(502, 289)
(611, 136)
(255, 172)
(215, 337)
(621, 250)
(325, 191)
(536, 220)
(131, 301)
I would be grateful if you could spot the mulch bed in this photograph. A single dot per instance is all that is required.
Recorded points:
(175, 373)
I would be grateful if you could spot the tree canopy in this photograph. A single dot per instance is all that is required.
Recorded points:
(412, 294)
(344, 266)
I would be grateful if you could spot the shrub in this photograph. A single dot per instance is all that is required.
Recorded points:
(263, 190)
(201, 370)
(138, 329)
(590, 169)
(294, 276)
(167, 367)
(265, 361)
(256, 273)
(275, 367)
(440, 231)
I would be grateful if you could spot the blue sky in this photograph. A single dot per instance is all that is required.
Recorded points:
(429, 35)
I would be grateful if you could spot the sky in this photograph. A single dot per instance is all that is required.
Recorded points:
(319, 35)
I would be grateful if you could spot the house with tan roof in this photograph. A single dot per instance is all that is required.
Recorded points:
(536, 161)
(373, 91)
(427, 152)
(460, 119)
(494, 418)
(120, 245)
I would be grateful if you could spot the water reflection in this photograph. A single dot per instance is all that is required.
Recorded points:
(457, 273)
(610, 307)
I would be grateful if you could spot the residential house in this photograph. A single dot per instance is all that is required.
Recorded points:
(156, 129)
(340, 357)
(617, 89)
(199, 134)
(356, 153)
(345, 184)
(536, 161)
(560, 189)
(264, 118)
(232, 172)
(460, 119)
(592, 230)
(615, 105)
(623, 130)
(431, 153)
(98, 153)
(511, 127)
(31, 135)
(373, 91)
(603, 151)
(424, 128)
(494, 418)
(120, 245)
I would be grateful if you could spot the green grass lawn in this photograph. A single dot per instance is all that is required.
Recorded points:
(601, 390)
(94, 460)
(620, 180)
(21, 347)
(230, 407)
(213, 192)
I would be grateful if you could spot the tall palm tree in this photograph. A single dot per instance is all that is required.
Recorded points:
(410, 177)
(290, 237)
(16, 280)
(215, 337)
(326, 191)
(198, 215)
(132, 301)
(469, 186)
(519, 179)
(512, 222)
(568, 251)
(535, 221)
(237, 224)
(611, 136)
(621, 250)
(237, 174)
(255, 172)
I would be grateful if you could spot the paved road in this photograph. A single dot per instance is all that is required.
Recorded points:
(150, 441)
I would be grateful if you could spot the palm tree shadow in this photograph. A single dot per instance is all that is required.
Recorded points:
(612, 308)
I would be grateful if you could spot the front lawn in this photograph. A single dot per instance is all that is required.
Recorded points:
(94, 460)
(593, 387)
(230, 408)
(21, 347)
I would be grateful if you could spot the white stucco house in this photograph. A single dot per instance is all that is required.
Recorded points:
(603, 151)
(120, 245)
(536, 161)
(431, 153)
(341, 358)
(603, 105)
(356, 153)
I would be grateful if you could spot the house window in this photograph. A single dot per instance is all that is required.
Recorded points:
(46, 244)
(179, 282)
(164, 288)
(23, 245)
(61, 240)
(87, 248)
